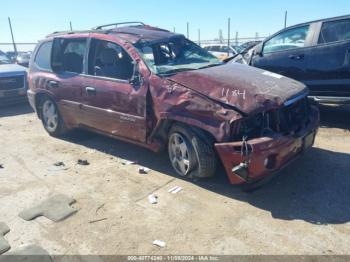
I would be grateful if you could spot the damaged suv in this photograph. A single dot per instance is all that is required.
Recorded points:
(159, 90)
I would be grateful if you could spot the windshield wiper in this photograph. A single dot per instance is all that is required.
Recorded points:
(211, 65)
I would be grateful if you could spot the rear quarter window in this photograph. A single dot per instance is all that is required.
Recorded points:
(335, 31)
(43, 56)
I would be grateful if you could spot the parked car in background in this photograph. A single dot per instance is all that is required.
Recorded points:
(13, 84)
(221, 51)
(316, 53)
(249, 45)
(159, 90)
(23, 58)
(243, 57)
(12, 55)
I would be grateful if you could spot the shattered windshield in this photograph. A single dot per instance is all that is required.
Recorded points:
(176, 55)
(4, 59)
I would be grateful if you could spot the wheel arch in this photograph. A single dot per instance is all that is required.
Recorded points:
(164, 126)
(38, 98)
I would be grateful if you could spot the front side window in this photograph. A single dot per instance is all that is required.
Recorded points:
(68, 54)
(43, 56)
(335, 31)
(107, 59)
(175, 55)
(290, 39)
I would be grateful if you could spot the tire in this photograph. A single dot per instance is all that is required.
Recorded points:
(51, 118)
(191, 152)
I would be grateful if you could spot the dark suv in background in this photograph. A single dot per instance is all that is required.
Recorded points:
(316, 53)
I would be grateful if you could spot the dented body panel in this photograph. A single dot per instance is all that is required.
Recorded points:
(249, 90)
(279, 150)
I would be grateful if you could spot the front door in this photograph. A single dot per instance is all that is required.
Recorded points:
(285, 53)
(111, 103)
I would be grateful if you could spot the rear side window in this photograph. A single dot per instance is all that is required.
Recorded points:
(290, 39)
(335, 31)
(68, 55)
(43, 56)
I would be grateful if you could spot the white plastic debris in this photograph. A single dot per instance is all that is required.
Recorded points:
(153, 199)
(127, 162)
(144, 170)
(159, 243)
(175, 190)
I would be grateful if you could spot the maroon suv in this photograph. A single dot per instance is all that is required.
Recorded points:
(159, 90)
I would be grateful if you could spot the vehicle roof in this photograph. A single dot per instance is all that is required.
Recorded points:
(133, 34)
(321, 20)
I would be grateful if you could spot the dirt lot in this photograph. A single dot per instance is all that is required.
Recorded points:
(306, 210)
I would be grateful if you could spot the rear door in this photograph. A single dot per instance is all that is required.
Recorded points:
(286, 52)
(67, 82)
(111, 102)
(328, 65)
(54, 73)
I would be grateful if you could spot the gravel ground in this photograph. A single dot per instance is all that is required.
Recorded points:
(305, 210)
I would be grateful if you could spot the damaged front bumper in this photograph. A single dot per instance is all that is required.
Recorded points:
(265, 155)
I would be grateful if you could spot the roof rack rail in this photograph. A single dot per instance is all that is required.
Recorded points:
(117, 24)
(58, 33)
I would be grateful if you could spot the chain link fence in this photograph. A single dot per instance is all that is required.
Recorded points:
(26, 47)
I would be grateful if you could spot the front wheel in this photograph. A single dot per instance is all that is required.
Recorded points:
(51, 118)
(191, 154)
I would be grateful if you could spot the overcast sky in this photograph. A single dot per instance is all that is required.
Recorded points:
(33, 20)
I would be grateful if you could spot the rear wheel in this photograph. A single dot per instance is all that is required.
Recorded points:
(51, 118)
(191, 154)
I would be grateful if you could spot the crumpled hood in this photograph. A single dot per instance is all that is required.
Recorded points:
(12, 69)
(246, 88)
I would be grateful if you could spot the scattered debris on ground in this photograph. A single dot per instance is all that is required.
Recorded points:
(97, 220)
(4, 245)
(144, 170)
(153, 199)
(58, 166)
(98, 209)
(159, 243)
(175, 189)
(128, 162)
(83, 162)
(56, 208)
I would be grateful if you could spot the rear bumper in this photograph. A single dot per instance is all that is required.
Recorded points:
(268, 154)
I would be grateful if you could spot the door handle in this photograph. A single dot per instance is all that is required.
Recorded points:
(52, 84)
(296, 57)
(90, 90)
